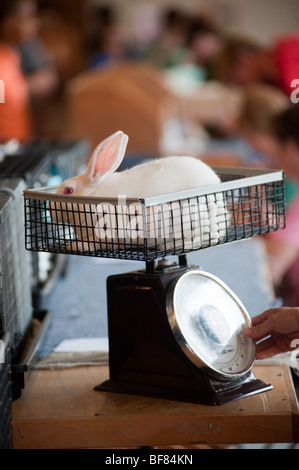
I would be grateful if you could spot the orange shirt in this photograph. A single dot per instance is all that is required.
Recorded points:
(15, 112)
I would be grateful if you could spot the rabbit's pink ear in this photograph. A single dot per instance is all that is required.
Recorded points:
(107, 156)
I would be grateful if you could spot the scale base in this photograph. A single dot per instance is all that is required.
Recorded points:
(216, 393)
(144, 356)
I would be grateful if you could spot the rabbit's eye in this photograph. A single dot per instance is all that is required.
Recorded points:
(68, 190)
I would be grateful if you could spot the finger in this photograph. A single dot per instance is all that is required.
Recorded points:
(286, 318)
(268, 352)
(266, 343)
(266, 349)
(260, 330)
(270, 312)
(262, 317)
(251, 332)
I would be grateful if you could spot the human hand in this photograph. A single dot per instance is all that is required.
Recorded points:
(279, 330)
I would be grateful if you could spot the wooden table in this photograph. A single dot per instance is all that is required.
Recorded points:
(60, 409)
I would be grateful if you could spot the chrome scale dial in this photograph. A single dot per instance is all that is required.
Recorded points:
(207, 319)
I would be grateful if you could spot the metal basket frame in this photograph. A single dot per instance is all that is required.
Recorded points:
(247, 202)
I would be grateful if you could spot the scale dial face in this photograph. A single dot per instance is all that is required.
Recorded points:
(207, 319)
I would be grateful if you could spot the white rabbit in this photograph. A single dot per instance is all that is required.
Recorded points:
(204, 219)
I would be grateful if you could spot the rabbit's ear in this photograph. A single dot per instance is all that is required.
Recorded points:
(107, 156)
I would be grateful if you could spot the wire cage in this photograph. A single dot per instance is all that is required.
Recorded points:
(247, 202)
(15, 263)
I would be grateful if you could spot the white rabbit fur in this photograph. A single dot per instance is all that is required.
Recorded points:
(153, 178)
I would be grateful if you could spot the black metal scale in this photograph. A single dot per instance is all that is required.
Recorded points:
(175, 332)
(145, 357)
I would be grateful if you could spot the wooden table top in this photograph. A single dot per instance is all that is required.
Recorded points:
(59, 409)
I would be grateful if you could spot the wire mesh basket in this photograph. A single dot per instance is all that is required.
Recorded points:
(15, 263)
(247, 202)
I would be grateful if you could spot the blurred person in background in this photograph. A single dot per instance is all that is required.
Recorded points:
(62, 39)
(260, 104)
(104, 41)
(260, 107)
(250, 135)
(269, 122)
(186, 51)
(244, 62)
(238, 64)
(169, 47)
(282, 246)
(36, 65)
(205, 43)
(17, 25)
(18, 28)
(186, 39)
